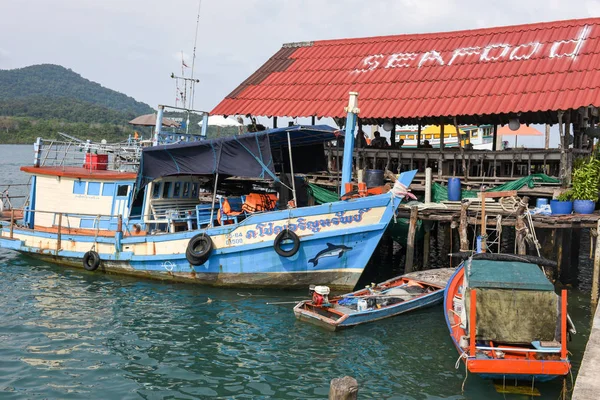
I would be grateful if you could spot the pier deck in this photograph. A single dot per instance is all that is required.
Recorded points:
(587, 386)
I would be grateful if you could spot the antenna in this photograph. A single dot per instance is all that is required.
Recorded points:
(194, 55)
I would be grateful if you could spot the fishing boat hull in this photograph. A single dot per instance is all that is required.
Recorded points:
(364, 317)
(523, 366)
(243, 254)
(336, 317)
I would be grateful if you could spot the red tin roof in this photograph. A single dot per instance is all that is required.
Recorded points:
(503, 70)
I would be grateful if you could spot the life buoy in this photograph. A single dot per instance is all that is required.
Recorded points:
(198, 249)
(286, 234)
(91, 261)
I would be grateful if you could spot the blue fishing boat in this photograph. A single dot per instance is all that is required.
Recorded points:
(174, 219)
(393, 297)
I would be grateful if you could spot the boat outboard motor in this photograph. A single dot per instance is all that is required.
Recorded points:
(320, 295)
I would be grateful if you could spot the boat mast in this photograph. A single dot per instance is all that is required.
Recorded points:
(352, 110)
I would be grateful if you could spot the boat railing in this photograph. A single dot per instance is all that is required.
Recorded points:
(91, 155)
(7, 200)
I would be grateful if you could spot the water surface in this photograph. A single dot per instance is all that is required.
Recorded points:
(72, 334)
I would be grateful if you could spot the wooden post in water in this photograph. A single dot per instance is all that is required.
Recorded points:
(345, 388)
(428, 185)
(426, 243)
(464, 224)
(596, 273)
(59, 234)
(12, 223)
(520, 227)
(410, 240)
(559, 252)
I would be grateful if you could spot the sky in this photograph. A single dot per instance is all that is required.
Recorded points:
(133, 46)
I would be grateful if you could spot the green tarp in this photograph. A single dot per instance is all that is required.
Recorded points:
(439, 193)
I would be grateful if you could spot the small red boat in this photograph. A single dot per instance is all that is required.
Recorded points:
(506, 320)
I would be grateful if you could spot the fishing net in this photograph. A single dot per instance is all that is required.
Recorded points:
(321, 195)
(439, 193)
(515, 316)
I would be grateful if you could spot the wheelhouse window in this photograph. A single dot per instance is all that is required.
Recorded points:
(186, 190)
(176, 189)
(93, 188)
(122, 190)
(156, 190)
(79, 187)
(108, 189)
(166, 190)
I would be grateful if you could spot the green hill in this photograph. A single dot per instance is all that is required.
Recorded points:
(41, 100)
(49, 81)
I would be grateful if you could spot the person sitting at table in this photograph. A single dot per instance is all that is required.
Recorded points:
(426, 145)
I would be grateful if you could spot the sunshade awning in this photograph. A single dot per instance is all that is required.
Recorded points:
(248, 155)
(150, 120)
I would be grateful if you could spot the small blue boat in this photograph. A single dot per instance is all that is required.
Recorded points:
(387, 299)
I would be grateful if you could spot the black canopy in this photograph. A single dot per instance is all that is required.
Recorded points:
(247, 155)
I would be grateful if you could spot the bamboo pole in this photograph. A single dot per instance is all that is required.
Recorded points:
(410, 241)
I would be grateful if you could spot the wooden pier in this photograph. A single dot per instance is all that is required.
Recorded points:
(587, 385)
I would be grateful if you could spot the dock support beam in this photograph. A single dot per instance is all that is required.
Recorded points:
(410, 240)
(428, 185)
(520, 227)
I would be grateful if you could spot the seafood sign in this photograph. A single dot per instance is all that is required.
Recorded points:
(302, 224)
(569, 48)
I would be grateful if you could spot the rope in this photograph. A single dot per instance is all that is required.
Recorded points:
(457, 364)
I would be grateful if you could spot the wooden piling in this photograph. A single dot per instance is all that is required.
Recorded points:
(520, 226)
(345, 388)
(428, 185)
(559, 252)
(426, 243)
(596, 273)
(410, 240)
(59, 233)
(12, 223)
(464, 224)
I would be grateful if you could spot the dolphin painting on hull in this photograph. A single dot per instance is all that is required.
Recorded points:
(332, 250)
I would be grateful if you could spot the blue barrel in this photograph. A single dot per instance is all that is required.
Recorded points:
(374, 178)
(541, 202)
(454, 189)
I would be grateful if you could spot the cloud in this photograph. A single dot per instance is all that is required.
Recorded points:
(134, 45)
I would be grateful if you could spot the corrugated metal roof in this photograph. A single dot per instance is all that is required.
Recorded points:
(505, 70)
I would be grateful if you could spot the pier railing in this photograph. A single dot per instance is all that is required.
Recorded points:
(508, 163)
